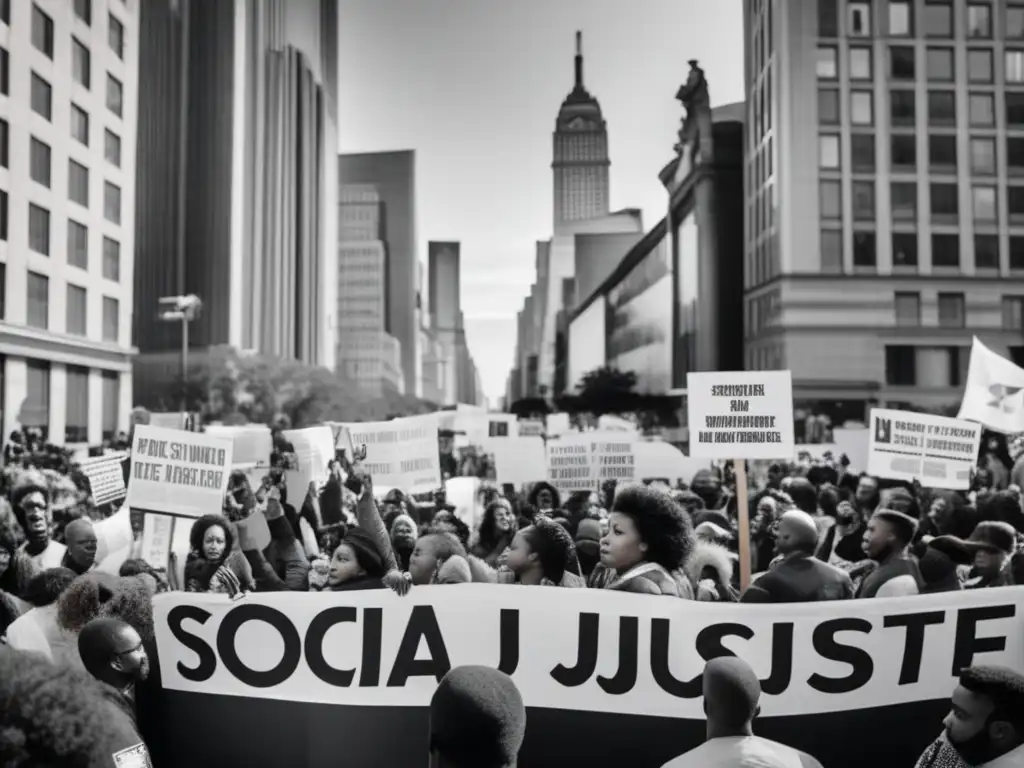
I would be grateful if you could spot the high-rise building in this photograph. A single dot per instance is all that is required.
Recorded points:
(366, 353)
(237, 190)
(68, 109)
(580, 162)
(872, 260)
(447, 323)
(393, 174)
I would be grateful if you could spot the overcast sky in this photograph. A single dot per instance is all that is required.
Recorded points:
(474, 87)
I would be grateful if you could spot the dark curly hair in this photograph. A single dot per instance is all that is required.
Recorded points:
(460, 529)
(205, 523)
(662, 524)
(488, 537)
(556, 498)
(47, 586)
(53, 716)
(81, 602)
(554, 547)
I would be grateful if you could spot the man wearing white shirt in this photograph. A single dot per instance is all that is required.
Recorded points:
(731, 695)
(31, 501)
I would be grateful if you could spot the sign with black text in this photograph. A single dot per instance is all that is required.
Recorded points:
(937, 451)
(741, 414)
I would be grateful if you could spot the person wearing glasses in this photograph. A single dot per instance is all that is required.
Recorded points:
(113, 653)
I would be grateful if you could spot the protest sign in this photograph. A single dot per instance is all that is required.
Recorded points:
(106, 477)
(314, 448)
(610, 423)
(177, 472)
(936, 451)
(556, 424)
(531, 428)
(157, 537)
(741, 414)
(173, 420)
(318, 673)
(518, 460)
(402, 453)
(581, 461)
(502, 425)
(472, 422)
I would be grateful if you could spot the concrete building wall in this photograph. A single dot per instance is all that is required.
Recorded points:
(67, 233)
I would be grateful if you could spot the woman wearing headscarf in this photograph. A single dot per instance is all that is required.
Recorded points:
(214, 564)
(498, 528)
(649, 540)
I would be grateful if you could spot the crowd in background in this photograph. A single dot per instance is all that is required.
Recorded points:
(76, 592)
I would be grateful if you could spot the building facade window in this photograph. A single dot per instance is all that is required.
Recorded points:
(1017, 252)
(42, 32)
(979, 21)
(903, 199)
(828, 106)
(982, 108)
(831, 199)
(111, 259)
(864, 254)
(81, 63)
(864, 200)
(1014, 29)
(36, 411)
(902, 107)
(980, 68)
(951, 310)
(41, 97)
(901, 63)
(79, 125)
(39, 162)
(37, 308)
(828, 62)
(83, 10)
(115, 36)
(941, 108)
(945, 250)
(110, 319)
(983, 155)
(5, 144)
(908, 309)
(900, 366)
(986, 251)
(5, 72)
(115, 95)
(3, 216)
(78, 183)
(111, 403)
(862, 108)
(984, 203)
(903, 151)
(862, 152)
(942, 152)
(77, 310)
(832, 250)
(938, 19)
(860, 63)
(76, 417)
(1013, 313)
(39, 229)
(939, 65)
(112, 148)
(1014, 60)
(112, 202)
(828, 151)
(901, 18)
(78, 245)
(944, 199)
(859, 19)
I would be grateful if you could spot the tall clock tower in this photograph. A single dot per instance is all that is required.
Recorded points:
(580, 154)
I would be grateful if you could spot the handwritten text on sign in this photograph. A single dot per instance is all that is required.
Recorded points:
(938, 452)
(177, 472)
(741, 414)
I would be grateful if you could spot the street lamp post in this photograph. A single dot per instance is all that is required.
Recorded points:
(183, 309)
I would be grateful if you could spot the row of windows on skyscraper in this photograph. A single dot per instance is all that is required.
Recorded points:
(938, 20)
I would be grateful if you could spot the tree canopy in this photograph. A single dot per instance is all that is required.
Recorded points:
(235, 388)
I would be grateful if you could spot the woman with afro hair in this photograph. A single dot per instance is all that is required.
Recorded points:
(498, 529)
(648, 543)
(214, 564)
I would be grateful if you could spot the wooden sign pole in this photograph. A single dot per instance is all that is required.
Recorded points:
(739, 467)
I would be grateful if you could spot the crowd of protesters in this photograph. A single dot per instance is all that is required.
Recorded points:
(79, 672)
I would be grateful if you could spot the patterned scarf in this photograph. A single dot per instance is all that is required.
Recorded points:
(941, 754)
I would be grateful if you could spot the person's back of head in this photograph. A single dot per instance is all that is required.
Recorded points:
(477, 720)
(56, 716)
(45, 587)
(731, 695)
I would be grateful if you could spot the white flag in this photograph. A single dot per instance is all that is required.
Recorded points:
(994, 395)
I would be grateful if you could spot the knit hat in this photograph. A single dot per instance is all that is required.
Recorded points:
(367, 554)
(477, 717)
(992, 535)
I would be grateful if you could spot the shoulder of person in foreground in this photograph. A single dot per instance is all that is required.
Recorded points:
(900, 586)
(640, 585)
(58, 716)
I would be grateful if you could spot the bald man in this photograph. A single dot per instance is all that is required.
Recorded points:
(82, 543)
(799, 577)
(731, 695)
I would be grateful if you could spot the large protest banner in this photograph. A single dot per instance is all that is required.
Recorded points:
(610, 679)
(401, 453)
(936, 451)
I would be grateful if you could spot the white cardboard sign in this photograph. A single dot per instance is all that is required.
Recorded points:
(937, 451)
(741, 414)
